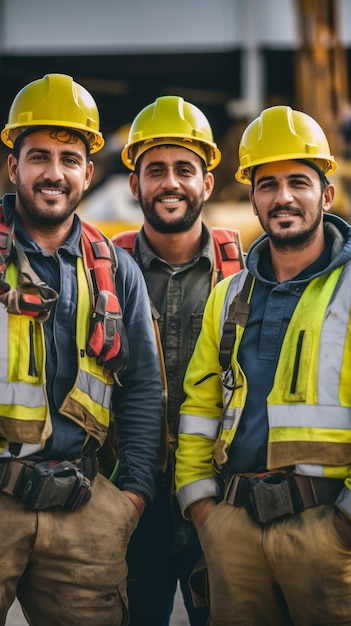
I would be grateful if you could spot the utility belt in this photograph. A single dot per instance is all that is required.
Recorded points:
(273, 495)
(49, 484)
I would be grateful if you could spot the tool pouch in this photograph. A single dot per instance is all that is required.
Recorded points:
(271, 498)
(60, 485)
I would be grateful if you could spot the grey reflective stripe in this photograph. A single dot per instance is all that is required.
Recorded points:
(309, 416)
(26, 450)
(309, 470)
(98, 391)
(231, 418)
(198, 425)
(332, 341)
(197, 490)
(4, 330)
(24, 394)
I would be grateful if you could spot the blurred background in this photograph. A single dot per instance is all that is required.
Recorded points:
(232, 58)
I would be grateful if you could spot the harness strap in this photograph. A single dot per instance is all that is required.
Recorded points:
(229, 256)
(238, 313)
(101, 259)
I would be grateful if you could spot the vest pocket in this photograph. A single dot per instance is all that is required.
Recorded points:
(32, 368)
(300, 374)
(25, 350)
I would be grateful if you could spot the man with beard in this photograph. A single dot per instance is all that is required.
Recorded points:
(263, 462)
(171, 153)
(78, 351)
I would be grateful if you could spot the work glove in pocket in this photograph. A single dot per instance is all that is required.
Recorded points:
(108, 340)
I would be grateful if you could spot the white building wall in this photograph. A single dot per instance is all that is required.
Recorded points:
(131, 26)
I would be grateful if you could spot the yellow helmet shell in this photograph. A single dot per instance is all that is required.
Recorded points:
(171, 120)
(282, 134)
(54, 100)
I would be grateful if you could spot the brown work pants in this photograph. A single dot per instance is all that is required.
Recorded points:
(67, 569)
(261, 574)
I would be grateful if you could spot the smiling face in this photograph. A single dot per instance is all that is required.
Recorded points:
(171, 188)
(51, 174)
(289, 202)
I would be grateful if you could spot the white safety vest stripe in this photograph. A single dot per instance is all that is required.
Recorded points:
(30, 396)
(207, 487)
(198, 425)
(331, 416)
(95, 388)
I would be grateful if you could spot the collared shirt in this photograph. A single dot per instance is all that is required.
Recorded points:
(179, 295)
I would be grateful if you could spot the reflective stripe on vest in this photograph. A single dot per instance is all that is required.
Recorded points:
(197, 425)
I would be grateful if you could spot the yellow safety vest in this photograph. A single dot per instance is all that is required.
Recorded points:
(24, 410)
(309, 406)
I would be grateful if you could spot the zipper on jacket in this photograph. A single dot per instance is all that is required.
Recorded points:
(32, 370)
(297, 361)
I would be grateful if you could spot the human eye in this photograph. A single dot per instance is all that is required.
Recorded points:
(37, 156)
(266, 185)
(71, 161)
(298, 182)
(155, 170)
(185, 171)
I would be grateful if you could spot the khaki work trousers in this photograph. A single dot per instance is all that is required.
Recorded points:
(261, 574)
(67, 568)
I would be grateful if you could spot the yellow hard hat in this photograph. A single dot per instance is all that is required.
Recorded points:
(171, 120)
(282, 134)
(56, 101)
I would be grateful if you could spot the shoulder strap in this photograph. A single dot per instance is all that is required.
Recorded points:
(126, 240)
(6, 234)
(229, 256)
(101, 259)
(238, 313)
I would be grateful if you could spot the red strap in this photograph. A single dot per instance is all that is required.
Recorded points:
(98, 257)
(126, 240)
(228, 252)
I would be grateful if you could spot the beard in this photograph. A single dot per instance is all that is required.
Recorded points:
(45, 217)
(299, 239)
(179, 225)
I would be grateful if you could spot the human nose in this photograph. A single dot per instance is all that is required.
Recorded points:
(283, 194)
(170, 180)
(54, 169)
